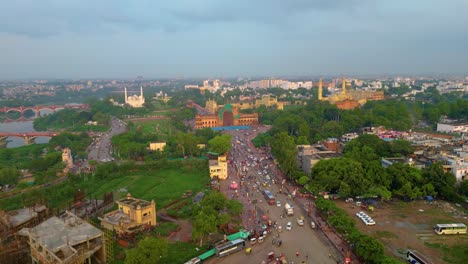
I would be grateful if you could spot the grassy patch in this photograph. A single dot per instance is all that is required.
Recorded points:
(182, 209)
(385, 234)
(161, 127)
(455, 254)
(165, 228)
(161, 185)
(181, 252)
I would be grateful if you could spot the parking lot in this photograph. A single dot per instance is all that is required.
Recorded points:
(401, 226)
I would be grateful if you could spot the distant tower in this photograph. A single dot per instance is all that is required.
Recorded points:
(343, 86)
(141, 91)
(320, 90)
(125, 95)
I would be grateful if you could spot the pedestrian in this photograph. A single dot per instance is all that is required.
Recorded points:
(297, 254)
(329, 254)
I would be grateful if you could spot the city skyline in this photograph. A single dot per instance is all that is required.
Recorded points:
(195, 39)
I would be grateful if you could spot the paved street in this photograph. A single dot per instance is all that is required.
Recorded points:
(261, 174)
(100, 149)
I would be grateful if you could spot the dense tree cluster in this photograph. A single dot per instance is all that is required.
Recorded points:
(213, 212)
(9, 175)
(77, 143)
(360, 173)
(220, 144)
(71, 120)
(150, 250)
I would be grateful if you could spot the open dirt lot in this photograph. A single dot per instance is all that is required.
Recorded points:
(400, 226)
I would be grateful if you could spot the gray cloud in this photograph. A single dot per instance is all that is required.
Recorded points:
(48, 17)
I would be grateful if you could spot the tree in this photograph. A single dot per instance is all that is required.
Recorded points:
(9, 176)
(463, 188)
(220, 144)
(285, 151)
(443, 182)
(203, 225)
(369, 249)
(149, 251)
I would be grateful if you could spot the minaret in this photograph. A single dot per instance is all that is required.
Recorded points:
(343, 86)
(141, 91)
(320, 90)
(125, 94)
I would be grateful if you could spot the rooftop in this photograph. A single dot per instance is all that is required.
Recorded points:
(68, 230)
(134, 202)
(17, 217)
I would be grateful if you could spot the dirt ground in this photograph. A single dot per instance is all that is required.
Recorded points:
(401, 226)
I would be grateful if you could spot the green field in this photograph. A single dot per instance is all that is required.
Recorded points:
(164, 186)
(161, 127)
(164, 183)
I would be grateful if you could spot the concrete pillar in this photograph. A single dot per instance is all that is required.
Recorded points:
(29, 140)
(3, 142)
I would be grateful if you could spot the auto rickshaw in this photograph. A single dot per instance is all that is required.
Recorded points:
(253, 240)
(271, 256)
(248, 251)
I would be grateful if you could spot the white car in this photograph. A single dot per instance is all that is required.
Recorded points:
(360, 214)
(369, 222)
(289, 226)
(278, 203)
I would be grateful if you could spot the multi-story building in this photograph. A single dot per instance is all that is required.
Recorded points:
(157, 146)
(349, 99)
(218, 168)
(132, 215)
(308, 156)
(226, 116)
(452, 127)
(65, 239)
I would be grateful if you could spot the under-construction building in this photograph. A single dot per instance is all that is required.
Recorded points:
(14, 248)
(66, 239)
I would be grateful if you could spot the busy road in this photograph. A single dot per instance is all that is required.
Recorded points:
(100, 149)
(255, 172)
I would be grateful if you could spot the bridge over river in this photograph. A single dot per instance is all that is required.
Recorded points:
(37, 110)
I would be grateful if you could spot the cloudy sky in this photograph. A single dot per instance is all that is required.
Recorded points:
(227, 38)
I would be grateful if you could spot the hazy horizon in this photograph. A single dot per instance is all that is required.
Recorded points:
(116, 39)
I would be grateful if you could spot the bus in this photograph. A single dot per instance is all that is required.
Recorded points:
(414, 257)
(443, 229)
(230, 247)
(269, 197)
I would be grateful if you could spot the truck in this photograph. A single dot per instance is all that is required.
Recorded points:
(288, 209)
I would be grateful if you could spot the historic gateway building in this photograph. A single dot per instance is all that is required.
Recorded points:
(225, 116)
(348, 100)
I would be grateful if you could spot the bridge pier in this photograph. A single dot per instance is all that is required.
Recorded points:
(29, 140)
(3, 142)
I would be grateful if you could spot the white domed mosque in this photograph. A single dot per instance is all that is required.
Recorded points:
(135, 101)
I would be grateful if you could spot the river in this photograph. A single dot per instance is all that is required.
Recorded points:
(26, 126)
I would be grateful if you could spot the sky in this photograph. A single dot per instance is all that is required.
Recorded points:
(230, 38)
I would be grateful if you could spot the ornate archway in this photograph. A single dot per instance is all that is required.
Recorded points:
(228, 118)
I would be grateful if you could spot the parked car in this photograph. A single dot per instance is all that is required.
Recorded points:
(289, 226)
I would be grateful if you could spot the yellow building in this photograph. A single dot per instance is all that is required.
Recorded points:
(266, 100)
(349, 99)
(269, 101)
(218, 168)
(157, 146)
(132, 215)
(211, 106)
